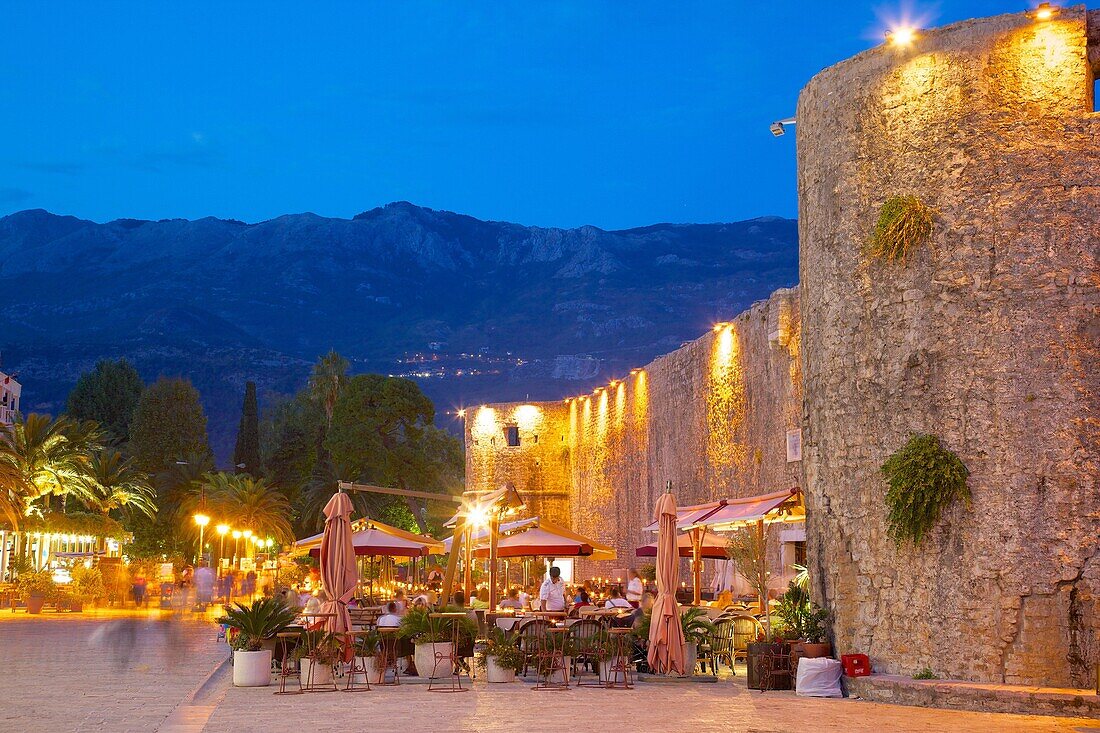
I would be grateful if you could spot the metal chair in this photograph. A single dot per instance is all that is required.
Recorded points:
(447, 659)
(775, 668)
(550, 667)
(620, 674)
(529, 640)
(286, 643)
(586, 635)
(351, 638)
(390, 651)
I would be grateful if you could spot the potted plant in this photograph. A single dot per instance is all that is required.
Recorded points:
(608, 652)
(368, 657)
(316, 655)
(560, 676)
(64, 599)
(804, 621)
(697, 630)
(36, 587)
(434, 636)
(253, 625)
(88, 584)
(500, 656)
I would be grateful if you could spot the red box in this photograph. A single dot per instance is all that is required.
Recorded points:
(856, 665)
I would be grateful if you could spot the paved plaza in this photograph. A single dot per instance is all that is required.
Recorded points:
(125, 672)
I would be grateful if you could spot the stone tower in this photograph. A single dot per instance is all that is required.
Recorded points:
(987, 337)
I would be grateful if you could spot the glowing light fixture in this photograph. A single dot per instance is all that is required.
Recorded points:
(247, 533)
(222, 529)
(1045, 11)
(477, 516)
(461, 413)
(901, 36)
(237, 534)
(202, 520)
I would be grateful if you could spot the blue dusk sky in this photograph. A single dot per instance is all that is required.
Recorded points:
(616, 114)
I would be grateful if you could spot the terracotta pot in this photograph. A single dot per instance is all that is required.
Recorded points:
(813, 651)
(35, 603)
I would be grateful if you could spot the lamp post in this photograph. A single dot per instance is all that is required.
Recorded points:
(223, 530)
(237, 534)
(202, 520)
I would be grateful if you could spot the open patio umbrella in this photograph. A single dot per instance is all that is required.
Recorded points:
(666, 636)
(712, 547)
(338, 572)
(539, 538)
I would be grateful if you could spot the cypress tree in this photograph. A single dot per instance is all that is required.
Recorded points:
(246, 454)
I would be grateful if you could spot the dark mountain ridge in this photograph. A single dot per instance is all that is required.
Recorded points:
(472, 309)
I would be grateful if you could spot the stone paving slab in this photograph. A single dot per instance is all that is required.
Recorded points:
(726, 706)
(109, 672)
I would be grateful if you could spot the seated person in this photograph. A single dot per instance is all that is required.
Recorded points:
(512, 600)
(399, 599)
(459, 599)
(389, 618)
(581, 599)
(616, 600)
(480, 599)
(725, 598)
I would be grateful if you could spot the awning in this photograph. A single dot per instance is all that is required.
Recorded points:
(506, 528)
(376, 538)
(779, 506)
(541, 538)
(687, 515)
(713, 548)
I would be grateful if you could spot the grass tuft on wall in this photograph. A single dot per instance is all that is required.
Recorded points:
(904, 223)
(924, 478)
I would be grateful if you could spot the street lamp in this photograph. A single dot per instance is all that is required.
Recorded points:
(223, 530)
(202, 520)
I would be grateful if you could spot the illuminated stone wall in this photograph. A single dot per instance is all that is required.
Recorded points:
(711, 417)
(989, 337)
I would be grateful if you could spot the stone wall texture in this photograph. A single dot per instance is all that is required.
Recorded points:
(711, 417)
(988, 337)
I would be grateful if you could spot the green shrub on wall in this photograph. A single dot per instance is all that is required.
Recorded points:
(904, 223)
(924, 478)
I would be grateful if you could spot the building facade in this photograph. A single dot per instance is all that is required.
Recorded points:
(10, 391)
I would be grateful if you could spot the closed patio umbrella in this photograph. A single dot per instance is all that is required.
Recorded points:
(338, 572)
(666, 636)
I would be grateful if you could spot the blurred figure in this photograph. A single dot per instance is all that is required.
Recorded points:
(138, 584)
(512, 600)
(204, 587)
(399, 600)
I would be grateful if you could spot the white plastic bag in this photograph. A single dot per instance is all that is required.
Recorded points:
(818, 677)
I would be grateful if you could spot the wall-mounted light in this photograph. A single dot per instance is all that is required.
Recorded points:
(902, 36)
(1045, 11)
(779, 127)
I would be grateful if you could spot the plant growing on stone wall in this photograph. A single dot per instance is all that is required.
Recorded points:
(904, 223)
(924, 478)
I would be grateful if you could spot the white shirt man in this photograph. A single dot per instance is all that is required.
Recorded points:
(552, 592)
(390, 618)
(634, 589)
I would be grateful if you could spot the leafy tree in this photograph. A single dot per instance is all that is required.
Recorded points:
(169, 422)
(108, 395)
(327, 381)
(382, 432)
(115, 483)
(43, 457)
(249, 503)
(246, 454)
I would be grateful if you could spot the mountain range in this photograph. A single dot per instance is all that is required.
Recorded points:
(473, 310)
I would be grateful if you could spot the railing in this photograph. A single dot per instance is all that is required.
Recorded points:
(7, 415)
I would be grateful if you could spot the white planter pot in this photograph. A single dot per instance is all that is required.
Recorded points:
(563, 675)
(691, 657)
(495, 673)
(252, 669)
(315, 674)
(606, 674)
(424, 656)
(376, 670)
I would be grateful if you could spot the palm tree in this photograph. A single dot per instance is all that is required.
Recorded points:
(245, 502)
(44, 457)
(176, 485)
(118, 484)
(329, 376)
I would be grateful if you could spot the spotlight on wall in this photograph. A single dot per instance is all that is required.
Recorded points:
(901, 37)
(779, 127)
(461, 413)
(1045, 11)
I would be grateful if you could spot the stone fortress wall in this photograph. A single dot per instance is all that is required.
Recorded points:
(988, 338)
(711, 417)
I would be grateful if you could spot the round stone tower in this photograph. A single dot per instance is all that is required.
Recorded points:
(987, 336)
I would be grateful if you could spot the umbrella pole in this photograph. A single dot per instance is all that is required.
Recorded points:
(494, 531)
(452, 561)
(697, 564)
(467, 561)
